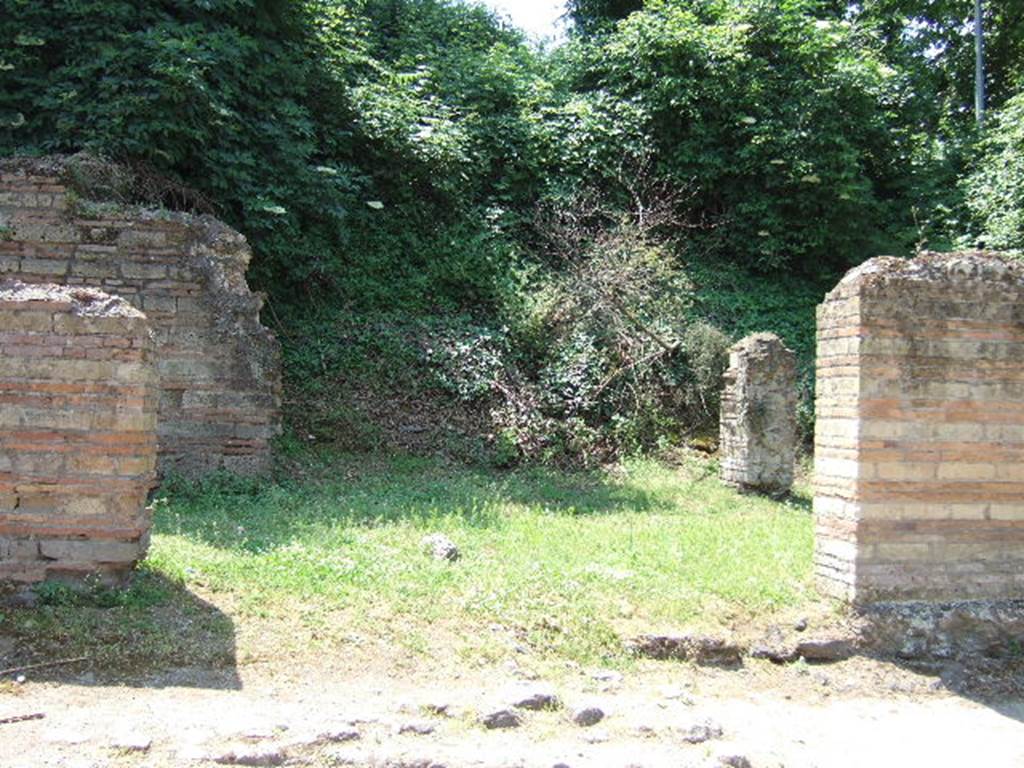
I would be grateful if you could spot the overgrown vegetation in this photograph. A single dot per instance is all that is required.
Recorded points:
(545, 250)
(995, 189)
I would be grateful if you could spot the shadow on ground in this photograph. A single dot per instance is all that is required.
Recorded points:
(156, 633)
(995, 682)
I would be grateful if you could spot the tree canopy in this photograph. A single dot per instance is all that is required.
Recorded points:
(421, 158)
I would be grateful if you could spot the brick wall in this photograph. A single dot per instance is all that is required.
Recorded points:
(757, 432)
(219, 368)
(919, 444)
(78, 394)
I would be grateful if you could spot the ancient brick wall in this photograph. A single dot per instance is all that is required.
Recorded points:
(757, 432)
(919, 444)
(78, 395)
(219, 368)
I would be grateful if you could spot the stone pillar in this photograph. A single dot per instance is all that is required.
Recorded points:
(919, 441)
(78, 398)
(758, 416)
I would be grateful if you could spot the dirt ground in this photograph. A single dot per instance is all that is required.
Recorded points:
(342, 712)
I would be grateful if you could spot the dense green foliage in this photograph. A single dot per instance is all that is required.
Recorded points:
(995, 190)
(589, 16)
(789, 176)
(553, 240)
(353, 143)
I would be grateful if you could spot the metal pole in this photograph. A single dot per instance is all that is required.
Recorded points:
(979, 64)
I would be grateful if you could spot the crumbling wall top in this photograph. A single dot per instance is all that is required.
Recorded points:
(758, 343)
(955, 267)
(88, 223)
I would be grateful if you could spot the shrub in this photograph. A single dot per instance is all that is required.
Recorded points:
(609, 356)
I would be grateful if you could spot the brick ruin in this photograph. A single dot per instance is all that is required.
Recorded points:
(219, 367)
(78, 398)
(919, 444)
(758, 416)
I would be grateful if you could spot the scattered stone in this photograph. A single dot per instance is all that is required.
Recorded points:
(535, 697)
(734, 761)
(677, 694)
(596, 736)
(437, 709)
(191, 751)
(801, 625)
(259, 733)
(83, 762)
(339, 735)
(775, 652)
(256, 756)
(440, 547)
(609, 676)
(588, 716)
(501, 718)
(419, 729)
(826, 650)
(707, 651)
(132, 742)
(699, 732)
(68, 736)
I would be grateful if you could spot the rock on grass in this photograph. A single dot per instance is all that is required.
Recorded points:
(501, 718)
(701, 731)
(588, 716)
(440, 547)
(707, 651)
(532, 696)
(257, 756)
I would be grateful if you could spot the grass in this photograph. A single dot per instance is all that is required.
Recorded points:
(559, 565)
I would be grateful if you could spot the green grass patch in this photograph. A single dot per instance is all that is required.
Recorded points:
(558, 565)
(562, 559)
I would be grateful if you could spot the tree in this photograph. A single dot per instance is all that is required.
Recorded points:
(592, 15)
(995, 187)
(933, 42)
(790, 128)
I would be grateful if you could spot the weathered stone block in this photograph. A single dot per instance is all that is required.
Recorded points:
(927, 501)
(188, 274)
(77, 439)
(758, 416)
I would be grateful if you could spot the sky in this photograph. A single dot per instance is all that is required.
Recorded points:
(538, 17)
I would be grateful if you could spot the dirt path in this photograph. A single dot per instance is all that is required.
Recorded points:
(858, 713)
